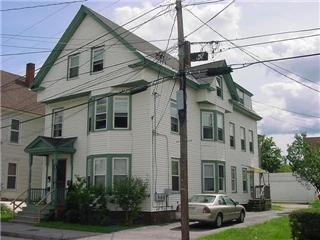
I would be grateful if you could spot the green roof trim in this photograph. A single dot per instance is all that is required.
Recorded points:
(240, 108)
(137, 83)
(244, 90)
(231, 86)
(75, 23)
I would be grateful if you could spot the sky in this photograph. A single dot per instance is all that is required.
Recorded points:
(289, 104)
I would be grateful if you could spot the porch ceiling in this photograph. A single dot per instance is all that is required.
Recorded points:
(43, 146)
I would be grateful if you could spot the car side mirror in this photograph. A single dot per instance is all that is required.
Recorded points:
(236, 203)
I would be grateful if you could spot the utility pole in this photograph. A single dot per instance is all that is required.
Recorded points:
(182, 107)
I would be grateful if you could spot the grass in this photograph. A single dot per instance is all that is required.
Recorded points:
(276, 207)
(277, 228)
(6, 213)
(84, 228)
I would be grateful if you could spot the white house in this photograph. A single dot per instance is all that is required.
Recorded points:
(18, 104)
(114, 114)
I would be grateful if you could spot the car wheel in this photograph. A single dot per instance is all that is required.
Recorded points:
(219, 220)
(241, 217)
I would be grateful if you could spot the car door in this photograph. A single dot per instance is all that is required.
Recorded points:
(224, 208)
(232, 209)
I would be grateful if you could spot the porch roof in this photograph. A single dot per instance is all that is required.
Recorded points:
(43, 146)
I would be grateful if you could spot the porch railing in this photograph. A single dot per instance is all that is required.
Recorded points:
(36, 194)
(262, 191)
(15, 206)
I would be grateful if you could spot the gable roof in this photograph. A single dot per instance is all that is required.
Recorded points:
(16, 95)
(139, 46)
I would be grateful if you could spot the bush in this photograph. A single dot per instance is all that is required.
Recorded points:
(6, 213)
(315, 203)
(129, 193)
(305, 224)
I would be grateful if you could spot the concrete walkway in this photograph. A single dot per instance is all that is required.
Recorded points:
(165, 231)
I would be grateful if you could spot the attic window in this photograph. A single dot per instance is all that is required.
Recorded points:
(241, 96)
(73, 64)
(219, 86)
(97, 59)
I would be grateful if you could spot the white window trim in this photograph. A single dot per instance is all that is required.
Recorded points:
(202, 125)
(95, 115)
(245, 177)
(16, 176)
(223, 127)
(178, 161)
(234, 179)
(174, 102)
(113, 111)
(232, 134)
(251, 141)
(223, 178)
(19, 132)
(213, 177)
(53, 121)
(69, 65)
(94, 170)
(127, 165)
(243, 130)
(92, 58)
(219, 81)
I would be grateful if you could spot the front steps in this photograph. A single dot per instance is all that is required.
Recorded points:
(30, 214)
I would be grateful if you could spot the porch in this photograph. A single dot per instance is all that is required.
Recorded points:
(56, 152)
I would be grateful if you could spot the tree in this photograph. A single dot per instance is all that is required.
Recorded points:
(129, 193)
(305, 160)
(270, 154)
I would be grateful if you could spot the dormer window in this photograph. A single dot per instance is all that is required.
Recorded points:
(219, 86)
(97, 59)
(73, 66)
(241, 96)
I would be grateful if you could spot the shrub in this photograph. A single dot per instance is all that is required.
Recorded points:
(315, 203)
(129, 193)
(6, 213)
(305, 224)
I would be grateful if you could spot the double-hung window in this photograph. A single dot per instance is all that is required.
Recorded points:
(175, 175)
(251, 141)
(120, 169)
(12, 176)
(99, 171)
(174, 117)
(220, 127)
(233, 179)
(57, 119)
(207, 125)
(243, 138)
(221, 178)
(14, 131)
(121, 112)
(219, 86)
(97, 59)
(232, 135)
(244, 180)
(73, 66)
(241, 96)
(101, 106)
(208, 180)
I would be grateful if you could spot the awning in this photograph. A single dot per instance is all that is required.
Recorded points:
(255, 169)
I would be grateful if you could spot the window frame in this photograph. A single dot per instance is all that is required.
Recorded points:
(233, 177)
(241, 96)
(219, 86)
(114, 111)
(216, 126)
(213, 177)
(175, 109)
(113, 169)
(243, 139)
(94, 171)
(251, 146)
(55, 113)
(17, 131)
(211, 113)
(93, 50)
(69, 65)
(173, 160)
(232, 135)
(223, 178)
(95, 113)
(245, 180)
(14, 176)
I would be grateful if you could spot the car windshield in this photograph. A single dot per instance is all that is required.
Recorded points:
(202, 199)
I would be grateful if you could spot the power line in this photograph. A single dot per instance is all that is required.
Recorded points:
(40, 6)
(251, 55)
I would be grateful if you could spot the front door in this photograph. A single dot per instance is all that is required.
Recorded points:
(61, 180)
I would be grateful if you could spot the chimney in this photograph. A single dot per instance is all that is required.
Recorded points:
(30, 68)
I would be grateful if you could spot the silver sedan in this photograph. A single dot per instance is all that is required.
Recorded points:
(213, 208)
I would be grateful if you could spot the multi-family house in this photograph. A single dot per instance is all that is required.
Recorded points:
(18, 104)
(111, 111)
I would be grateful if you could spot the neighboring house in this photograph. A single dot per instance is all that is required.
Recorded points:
(18, 103)
(313, 141)
(96, 133)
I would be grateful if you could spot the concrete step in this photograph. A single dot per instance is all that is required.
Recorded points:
(26, 219)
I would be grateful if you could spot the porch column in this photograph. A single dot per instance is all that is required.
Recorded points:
(71, 163)
(54, 177)
(29, 180)
(47, 166)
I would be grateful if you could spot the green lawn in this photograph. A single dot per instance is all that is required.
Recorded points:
(276, 207)
(6, 213)
(277, 228)
(81, 227)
